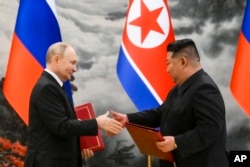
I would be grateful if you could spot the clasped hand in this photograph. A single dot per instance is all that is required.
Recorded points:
(109, 125)
(167, 145)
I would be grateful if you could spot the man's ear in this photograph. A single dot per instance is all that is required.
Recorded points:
(56, 59)
(184, 61)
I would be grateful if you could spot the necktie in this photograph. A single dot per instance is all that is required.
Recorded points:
(64, 90)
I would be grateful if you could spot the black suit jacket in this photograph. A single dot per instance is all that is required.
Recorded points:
(194, 114)
(53, 130)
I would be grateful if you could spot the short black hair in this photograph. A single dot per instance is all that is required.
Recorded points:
(179, 45)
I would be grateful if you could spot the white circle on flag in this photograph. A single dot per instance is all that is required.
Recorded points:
(153, 38)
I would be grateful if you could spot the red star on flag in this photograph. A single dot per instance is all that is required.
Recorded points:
(148, 21)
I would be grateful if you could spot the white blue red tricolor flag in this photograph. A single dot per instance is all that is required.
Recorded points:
(240, 81)
(36, 29)
(141, 66)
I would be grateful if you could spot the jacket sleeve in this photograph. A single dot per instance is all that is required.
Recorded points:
(150, 117)
(53, 108)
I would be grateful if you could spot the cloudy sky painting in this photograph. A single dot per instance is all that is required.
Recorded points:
(94, 28)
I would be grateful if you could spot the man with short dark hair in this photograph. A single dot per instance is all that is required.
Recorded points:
(192, 118)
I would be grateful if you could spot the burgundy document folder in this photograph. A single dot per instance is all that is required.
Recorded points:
(145, 138)
(94, 143)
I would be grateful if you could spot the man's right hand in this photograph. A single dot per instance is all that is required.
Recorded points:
(109, 125)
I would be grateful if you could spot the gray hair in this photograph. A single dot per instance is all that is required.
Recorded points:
(58, 48)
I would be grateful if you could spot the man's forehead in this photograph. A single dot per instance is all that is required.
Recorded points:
(71, 56)
(169, 54)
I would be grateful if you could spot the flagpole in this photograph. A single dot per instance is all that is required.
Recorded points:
(149, 161)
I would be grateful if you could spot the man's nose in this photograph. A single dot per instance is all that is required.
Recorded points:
(75, 68)
(167, 69)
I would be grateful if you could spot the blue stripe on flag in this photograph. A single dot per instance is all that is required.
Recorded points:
(246, 22)
(37, 27)
(134, 86)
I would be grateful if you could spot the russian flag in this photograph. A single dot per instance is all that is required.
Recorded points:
(141, 66)
(36, 29)
(240, 81)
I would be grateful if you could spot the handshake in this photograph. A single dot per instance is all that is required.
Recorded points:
(112, 126)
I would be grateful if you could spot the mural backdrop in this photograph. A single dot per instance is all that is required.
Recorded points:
(94, 28)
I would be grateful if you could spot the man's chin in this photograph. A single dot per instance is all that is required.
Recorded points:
(66, 79)
(69, 78)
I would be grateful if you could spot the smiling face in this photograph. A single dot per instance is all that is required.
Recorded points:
(67, 64)
(174, 67)
(182, 64)
(62, 60)
(183, 60)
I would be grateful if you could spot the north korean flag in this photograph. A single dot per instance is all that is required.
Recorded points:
(141, 66)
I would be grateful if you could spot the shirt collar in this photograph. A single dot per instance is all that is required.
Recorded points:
(54, 76)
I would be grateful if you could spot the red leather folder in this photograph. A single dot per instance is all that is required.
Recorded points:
(145, 139)
(94, 143)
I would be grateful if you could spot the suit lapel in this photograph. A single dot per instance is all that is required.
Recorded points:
(70, 108)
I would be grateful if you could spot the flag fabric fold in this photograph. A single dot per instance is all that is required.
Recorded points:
(240, 81)
(141, 65)
(35, 30)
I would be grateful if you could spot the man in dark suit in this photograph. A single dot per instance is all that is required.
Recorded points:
(192, 118)
(53, 130)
